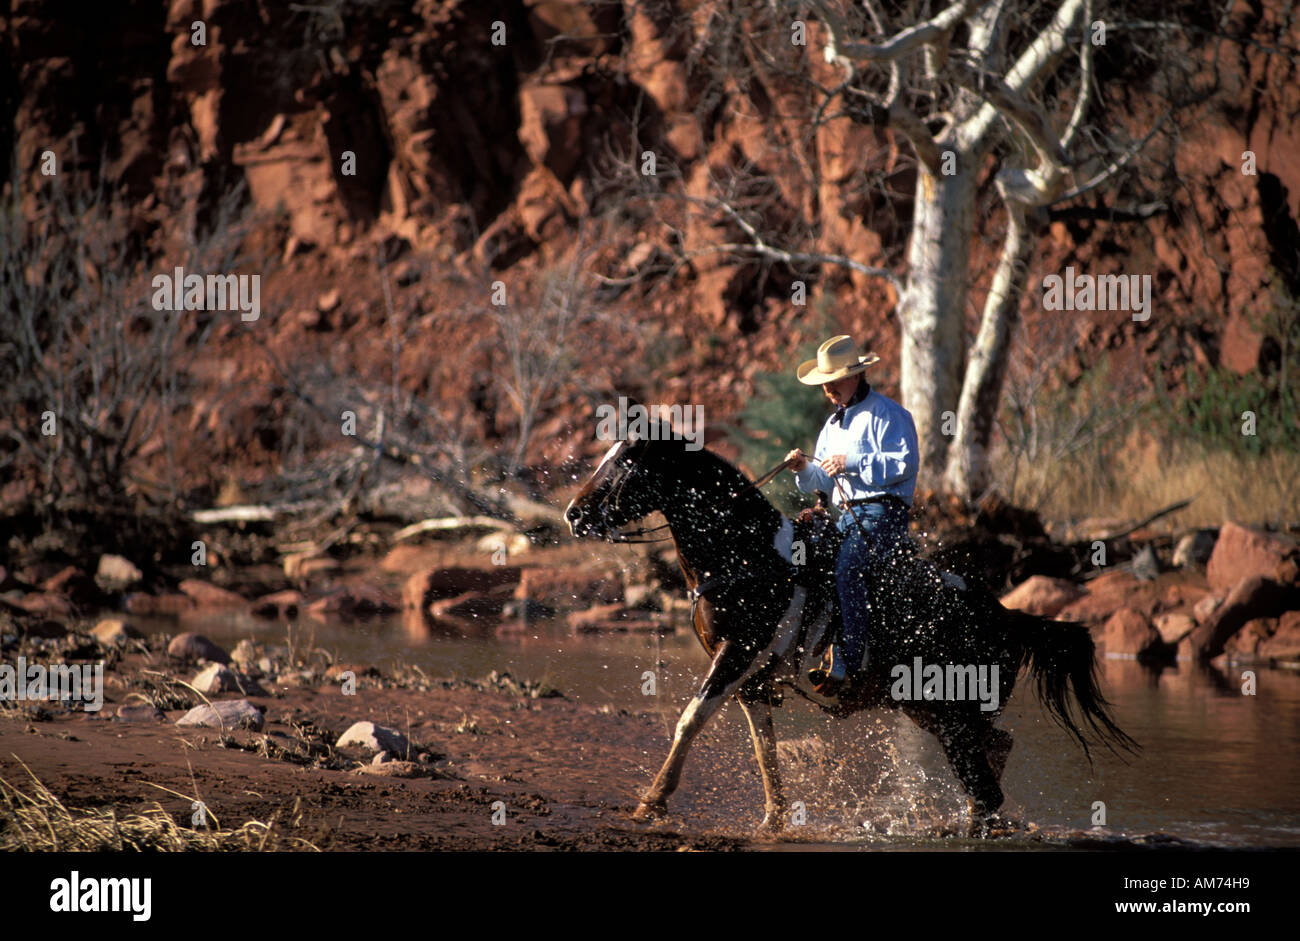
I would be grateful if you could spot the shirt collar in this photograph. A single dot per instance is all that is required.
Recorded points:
(863, 391)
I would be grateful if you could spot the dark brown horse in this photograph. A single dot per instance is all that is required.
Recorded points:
(763, 620)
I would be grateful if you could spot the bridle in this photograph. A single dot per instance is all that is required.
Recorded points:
(611, 501)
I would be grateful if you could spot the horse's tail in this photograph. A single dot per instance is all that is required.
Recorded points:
(1061, 656)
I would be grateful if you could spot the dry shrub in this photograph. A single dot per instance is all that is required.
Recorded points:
(39, 822)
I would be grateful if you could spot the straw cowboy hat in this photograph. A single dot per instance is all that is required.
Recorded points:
(837, 359)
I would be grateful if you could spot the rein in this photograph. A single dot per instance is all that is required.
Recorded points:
(617, 490)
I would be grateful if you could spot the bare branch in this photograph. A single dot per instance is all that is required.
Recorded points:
(934, 31)
(1115, 165)
(1036, 60)
(1030, 119)
(1085, 83)
(1109, 213)
(794, 258)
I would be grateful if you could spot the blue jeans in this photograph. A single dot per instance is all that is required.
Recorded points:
(886, 526)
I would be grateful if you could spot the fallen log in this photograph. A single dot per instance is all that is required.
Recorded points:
(235, 514)
(1172, 508)
(452, 524)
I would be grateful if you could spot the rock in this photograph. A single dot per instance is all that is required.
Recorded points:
(1181, 595)
(112, 631)
(1244, 646)
(473, 606)
(284, 604)
(353, 601)
(1107, 594)
(393, 769)
(211, 597)
(1205, 607)
(171, 605)
(1145, 565)
(245, 654)
(525, 609)
(1241, 553)
(140, 712)
(550, 126)
(306, 565)
(296, 678)
(1284, 643)
(1042, 595)
(335, 671)
(1174, 627)
(228, 714)
(645, 597)
(1255, 597)
(1127, 632)
(376, 738)
(190, 646)
(408, 559)
(46, 604)
(216, 678)
(1194, 549)
(116, 574)
(328, 302)
(513, 543)
(75, 585)
(423, 588)
(570, 587)
(581, 620)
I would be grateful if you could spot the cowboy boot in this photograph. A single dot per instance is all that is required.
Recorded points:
(831, 676)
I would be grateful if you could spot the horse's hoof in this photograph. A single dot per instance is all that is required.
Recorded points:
(773, 823)
(992, 825)
(646, 812)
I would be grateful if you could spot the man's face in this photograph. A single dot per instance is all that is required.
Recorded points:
(841, 390)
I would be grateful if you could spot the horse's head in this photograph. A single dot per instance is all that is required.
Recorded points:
(627, 485)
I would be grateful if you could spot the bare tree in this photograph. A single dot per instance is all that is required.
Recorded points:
(980, 89)
(96, 373)
(1003, 108)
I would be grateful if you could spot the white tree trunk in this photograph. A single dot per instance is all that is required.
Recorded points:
(969, 472)
(933, 305)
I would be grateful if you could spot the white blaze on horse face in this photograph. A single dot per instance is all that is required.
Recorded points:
(609, 455)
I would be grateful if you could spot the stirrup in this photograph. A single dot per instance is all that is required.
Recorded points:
(831, 676)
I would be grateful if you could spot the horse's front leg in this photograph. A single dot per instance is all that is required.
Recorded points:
(730, 666)
(761, 730)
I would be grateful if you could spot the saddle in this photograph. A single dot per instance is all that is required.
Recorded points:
(817, 533)
(821, 539)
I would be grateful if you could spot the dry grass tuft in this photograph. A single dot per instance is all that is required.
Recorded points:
(39, 822)
(1133, 481)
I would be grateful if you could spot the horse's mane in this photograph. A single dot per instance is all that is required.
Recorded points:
(750, 498)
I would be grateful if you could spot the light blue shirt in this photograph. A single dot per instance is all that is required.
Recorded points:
(878, 438)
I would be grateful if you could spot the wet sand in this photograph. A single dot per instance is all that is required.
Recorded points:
(566, 774)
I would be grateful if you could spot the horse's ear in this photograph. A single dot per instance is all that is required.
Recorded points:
(635, 413)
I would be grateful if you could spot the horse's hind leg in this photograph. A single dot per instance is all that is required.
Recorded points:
(964, 742)
(997, 747)
(758, 711)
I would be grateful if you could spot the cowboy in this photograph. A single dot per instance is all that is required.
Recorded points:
(866, 458)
